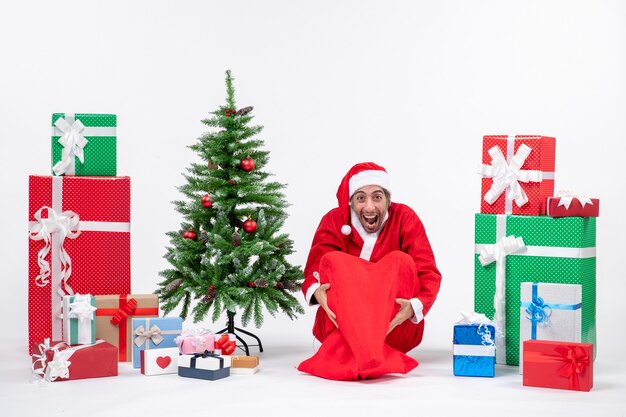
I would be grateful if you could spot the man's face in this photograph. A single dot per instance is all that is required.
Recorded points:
(370, 204)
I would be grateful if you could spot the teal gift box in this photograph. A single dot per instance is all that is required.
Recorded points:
(154, 333)
(84, 144)
(79, 319)
(510, 250)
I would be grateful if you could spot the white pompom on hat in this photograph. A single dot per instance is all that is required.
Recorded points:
(360, 175)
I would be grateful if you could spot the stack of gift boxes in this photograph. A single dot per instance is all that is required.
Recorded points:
(82, 316)
(534, 273)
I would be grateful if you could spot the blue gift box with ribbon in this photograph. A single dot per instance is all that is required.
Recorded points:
(474, 350)
(207, 365)
(550, 312)
(154, 333)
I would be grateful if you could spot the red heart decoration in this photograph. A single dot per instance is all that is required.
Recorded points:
(163, 361)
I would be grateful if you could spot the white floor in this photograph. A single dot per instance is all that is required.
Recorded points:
(279, 389)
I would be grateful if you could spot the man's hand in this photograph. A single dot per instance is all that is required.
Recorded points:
(405, 313)
(320, 296)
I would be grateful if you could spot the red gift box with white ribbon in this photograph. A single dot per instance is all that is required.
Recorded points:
(572, 204)
(518, 174)
(79, 243)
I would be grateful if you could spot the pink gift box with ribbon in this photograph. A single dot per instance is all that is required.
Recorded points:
(79, 231)
(518, 174)
(195, 341)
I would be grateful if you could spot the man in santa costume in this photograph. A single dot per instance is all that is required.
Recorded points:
(369, 226)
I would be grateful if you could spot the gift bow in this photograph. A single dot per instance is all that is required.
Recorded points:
(65, 224)
(496, 253)
(508, 175)
(482, 330)
(538, 311)
(73, 143)
(58, 367)
(576, 360)
(566, 197)
(81, 308)
(124, 312)
(225, 344)
(153, 334)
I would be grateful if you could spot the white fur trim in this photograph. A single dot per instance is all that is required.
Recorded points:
(369, 177)
(346, 229)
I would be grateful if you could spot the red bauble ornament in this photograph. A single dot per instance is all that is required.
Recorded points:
(231, 182)
(211, 287)
(190, 234)
(278, 285)
(206, 201)
(251, 284)
(249, 226)
(227, 112)
(247, 164)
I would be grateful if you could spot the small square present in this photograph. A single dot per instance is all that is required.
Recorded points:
(518, 174)
(58, 361)
(244, 365)
(555, 364)
(84, 144)
(474, 350)
(154, 333)
(550, 312)
(79, 319)
(195, 341)
(571, 204)
(159, 361)
(207, 365)
(114, 318)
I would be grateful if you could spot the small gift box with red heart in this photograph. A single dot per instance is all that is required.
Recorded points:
(572, 204)
(561, 365)
(195, 341)
(159, 361)
(225, 344)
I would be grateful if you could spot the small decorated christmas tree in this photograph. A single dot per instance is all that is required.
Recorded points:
(230, 254)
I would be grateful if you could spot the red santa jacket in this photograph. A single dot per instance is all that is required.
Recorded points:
(402, 231)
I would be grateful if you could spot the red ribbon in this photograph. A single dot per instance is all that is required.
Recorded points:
(574, 358)
(225, 344)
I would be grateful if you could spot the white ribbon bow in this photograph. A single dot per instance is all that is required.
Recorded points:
(58, 367)
(73, 143)
(153, 334)
(65, 224)
(81, 308)
(508, 175)
(568, 195)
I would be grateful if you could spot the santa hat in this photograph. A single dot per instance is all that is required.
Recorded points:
(360, 175)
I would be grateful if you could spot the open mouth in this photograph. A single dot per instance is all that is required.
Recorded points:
(371, 220)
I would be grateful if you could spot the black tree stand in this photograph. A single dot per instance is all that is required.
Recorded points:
(230, 328)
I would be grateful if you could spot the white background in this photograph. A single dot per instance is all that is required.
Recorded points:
(411, 85)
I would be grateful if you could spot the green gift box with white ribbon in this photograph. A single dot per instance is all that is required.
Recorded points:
(510, 250)
(79, 319)
(84, 144)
